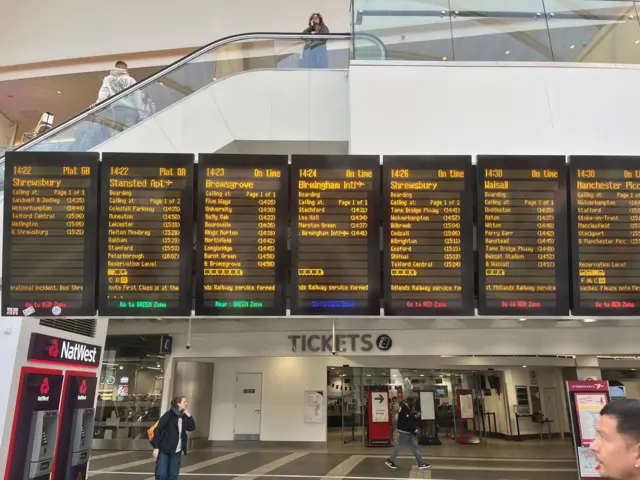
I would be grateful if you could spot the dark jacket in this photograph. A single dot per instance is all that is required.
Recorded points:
(321, 30)
(407, 421)
(165, 437)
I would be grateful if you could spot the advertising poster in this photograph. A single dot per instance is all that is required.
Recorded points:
(313, 406)
(380, 407)
(588, 463)
(588, 406)
(466, 406)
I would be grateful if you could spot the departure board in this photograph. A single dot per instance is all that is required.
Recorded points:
(605, 235)
(428, 235)
(146, 223)
(335, 235)
(242, 234)
(522, 236)
(50, 220)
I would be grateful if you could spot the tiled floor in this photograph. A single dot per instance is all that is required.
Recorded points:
(495, 460)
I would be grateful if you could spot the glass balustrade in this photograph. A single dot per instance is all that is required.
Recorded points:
(213, 66)
(593, 31)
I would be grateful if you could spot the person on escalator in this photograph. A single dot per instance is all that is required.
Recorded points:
(314, 54)
(125, 112)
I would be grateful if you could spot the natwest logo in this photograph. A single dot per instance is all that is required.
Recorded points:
(53, 348)
(44, 348)
(78, 352)
(44, 390)
(44, 386)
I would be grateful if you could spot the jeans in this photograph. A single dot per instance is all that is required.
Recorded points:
(168, 466)
(406, 439)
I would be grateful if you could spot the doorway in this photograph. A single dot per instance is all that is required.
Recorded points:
(551, 411)
(248, 409)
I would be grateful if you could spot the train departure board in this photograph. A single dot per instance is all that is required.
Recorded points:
(522, 236)
(428, 235)
(146, 233)
(335, 235)
(242, 234)
(50, 220)
(605, 235)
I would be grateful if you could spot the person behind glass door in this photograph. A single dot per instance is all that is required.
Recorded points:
(314, 54)
(617, 443)
(395, 410)
(170, 439)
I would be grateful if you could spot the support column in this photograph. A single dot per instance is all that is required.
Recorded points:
(588, 368)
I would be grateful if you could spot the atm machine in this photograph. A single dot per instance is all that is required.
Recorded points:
(43, 433)
(34, 434)
(81, 437)
(76, 427)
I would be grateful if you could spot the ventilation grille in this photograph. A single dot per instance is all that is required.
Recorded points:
(83, 326)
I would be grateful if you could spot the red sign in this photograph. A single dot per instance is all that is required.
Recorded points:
(588, 386)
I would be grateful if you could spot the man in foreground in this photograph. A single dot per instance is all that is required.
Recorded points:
(617, 443)
(407, 426)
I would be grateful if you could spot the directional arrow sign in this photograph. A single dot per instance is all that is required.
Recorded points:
(380, 398)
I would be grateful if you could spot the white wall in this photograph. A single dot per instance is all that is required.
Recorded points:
(284, 381)
(276, 105)
(36, 31)
(546, 377)
(494, 108)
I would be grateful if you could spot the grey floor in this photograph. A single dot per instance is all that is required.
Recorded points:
(493, 460)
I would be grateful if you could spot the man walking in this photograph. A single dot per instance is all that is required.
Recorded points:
(125, 111)
(407, 426)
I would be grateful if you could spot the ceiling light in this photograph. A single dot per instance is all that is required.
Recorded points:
(58, 92)
(121, 367)
(444, 58)
(589, 320)
(572, 46)
(637, 42)
(422, 374)
(161, 83)
(524, 366)
(368, 374)
(507, 52)
(447, 356)
(633, 369)
(523, 319)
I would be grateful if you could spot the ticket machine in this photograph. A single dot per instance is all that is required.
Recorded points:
(43, 434)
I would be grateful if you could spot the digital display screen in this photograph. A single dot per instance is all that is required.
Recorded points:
(146, 233)
(50, 220)
(428, 235)
(242, 234)
(335, 235)
(605, 235)
(522, 236)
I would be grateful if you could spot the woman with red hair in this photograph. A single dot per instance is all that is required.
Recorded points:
(314, 54)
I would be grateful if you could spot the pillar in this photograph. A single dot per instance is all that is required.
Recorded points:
(588, 368)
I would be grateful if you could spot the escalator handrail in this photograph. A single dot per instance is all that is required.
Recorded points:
(187, 59)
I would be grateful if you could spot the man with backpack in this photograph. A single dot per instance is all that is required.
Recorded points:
(407, 427)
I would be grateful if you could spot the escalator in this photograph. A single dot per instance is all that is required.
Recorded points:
(219, 60)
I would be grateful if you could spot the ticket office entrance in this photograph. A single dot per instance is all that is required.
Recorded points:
(347, 401)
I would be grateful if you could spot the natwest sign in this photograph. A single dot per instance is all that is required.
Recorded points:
(44, 348)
